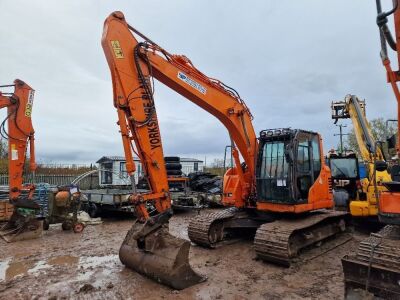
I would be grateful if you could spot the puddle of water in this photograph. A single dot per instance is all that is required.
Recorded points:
(3, 268)
(63, 260)
(93, 268)
(10, 270)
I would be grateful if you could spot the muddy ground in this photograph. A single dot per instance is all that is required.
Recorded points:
(64, 265)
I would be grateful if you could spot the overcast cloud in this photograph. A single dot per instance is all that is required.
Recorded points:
(288, 60)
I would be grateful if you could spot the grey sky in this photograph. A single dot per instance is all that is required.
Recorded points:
(287, 59)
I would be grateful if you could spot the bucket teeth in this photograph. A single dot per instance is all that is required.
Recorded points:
(160, 256)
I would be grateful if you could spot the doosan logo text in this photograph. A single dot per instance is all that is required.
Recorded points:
(192, 83)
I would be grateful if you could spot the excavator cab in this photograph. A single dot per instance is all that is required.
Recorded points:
(289, 162)
(346, 178)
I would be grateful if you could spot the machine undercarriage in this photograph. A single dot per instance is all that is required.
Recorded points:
(278, 239)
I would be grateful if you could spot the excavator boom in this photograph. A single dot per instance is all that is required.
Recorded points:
(133, 66)
(23, 224)
(371, 153)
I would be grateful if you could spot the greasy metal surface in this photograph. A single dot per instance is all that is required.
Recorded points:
(376, 264)
(281, 240)
(200, 227)
(160, 256)
(20, 228)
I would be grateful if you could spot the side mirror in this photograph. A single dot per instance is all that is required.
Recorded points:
(391, 141)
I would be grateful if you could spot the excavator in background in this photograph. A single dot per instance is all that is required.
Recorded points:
(365, 203)
(375, 266)
(281, 189)
(345, 175)
(23, 223)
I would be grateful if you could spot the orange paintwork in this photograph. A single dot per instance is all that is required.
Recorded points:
(132, 100)
(179, 74)
(389, 202)
(319, 196)
(20, 133)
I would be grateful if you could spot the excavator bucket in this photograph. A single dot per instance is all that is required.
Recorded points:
(21, 227)
(160, 256)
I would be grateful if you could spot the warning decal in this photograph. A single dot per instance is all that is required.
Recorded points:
(29, 104)
(117, 49)
(14, 152)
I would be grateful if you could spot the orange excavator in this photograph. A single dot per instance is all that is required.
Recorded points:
(23, 223)
(375, 266)
(282, 188)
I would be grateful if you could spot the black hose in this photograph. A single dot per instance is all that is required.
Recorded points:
(148, 90)
(381, 21)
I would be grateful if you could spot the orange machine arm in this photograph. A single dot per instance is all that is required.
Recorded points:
(133, 64)
(20, 133)
(387, 39)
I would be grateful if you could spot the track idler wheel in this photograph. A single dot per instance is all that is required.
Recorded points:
(216, 232)
(160, 256)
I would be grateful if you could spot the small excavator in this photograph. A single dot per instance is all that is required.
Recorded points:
(375, 267)
(282, 188)
(345, 176)
(23, 223)
(365, 204)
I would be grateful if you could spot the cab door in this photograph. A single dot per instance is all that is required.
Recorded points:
(308, 164)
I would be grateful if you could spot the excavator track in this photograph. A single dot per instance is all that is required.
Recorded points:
(375, 267)
(206, 230)
(280, 241)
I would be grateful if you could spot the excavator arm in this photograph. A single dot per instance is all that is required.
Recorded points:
(354, 109)
(23, 223)
(20, 133)
(133, 67)
(387, 39)
(389, 202)
(371, 152)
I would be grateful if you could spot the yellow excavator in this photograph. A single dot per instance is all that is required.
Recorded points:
(365, 203)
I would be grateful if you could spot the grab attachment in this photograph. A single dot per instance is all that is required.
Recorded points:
(23, 225)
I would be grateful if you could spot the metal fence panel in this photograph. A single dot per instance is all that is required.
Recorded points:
(89, 182)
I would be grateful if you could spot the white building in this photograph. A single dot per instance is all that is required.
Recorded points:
(190, 165)
(112, 169)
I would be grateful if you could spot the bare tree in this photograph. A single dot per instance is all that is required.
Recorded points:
(379, 131)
